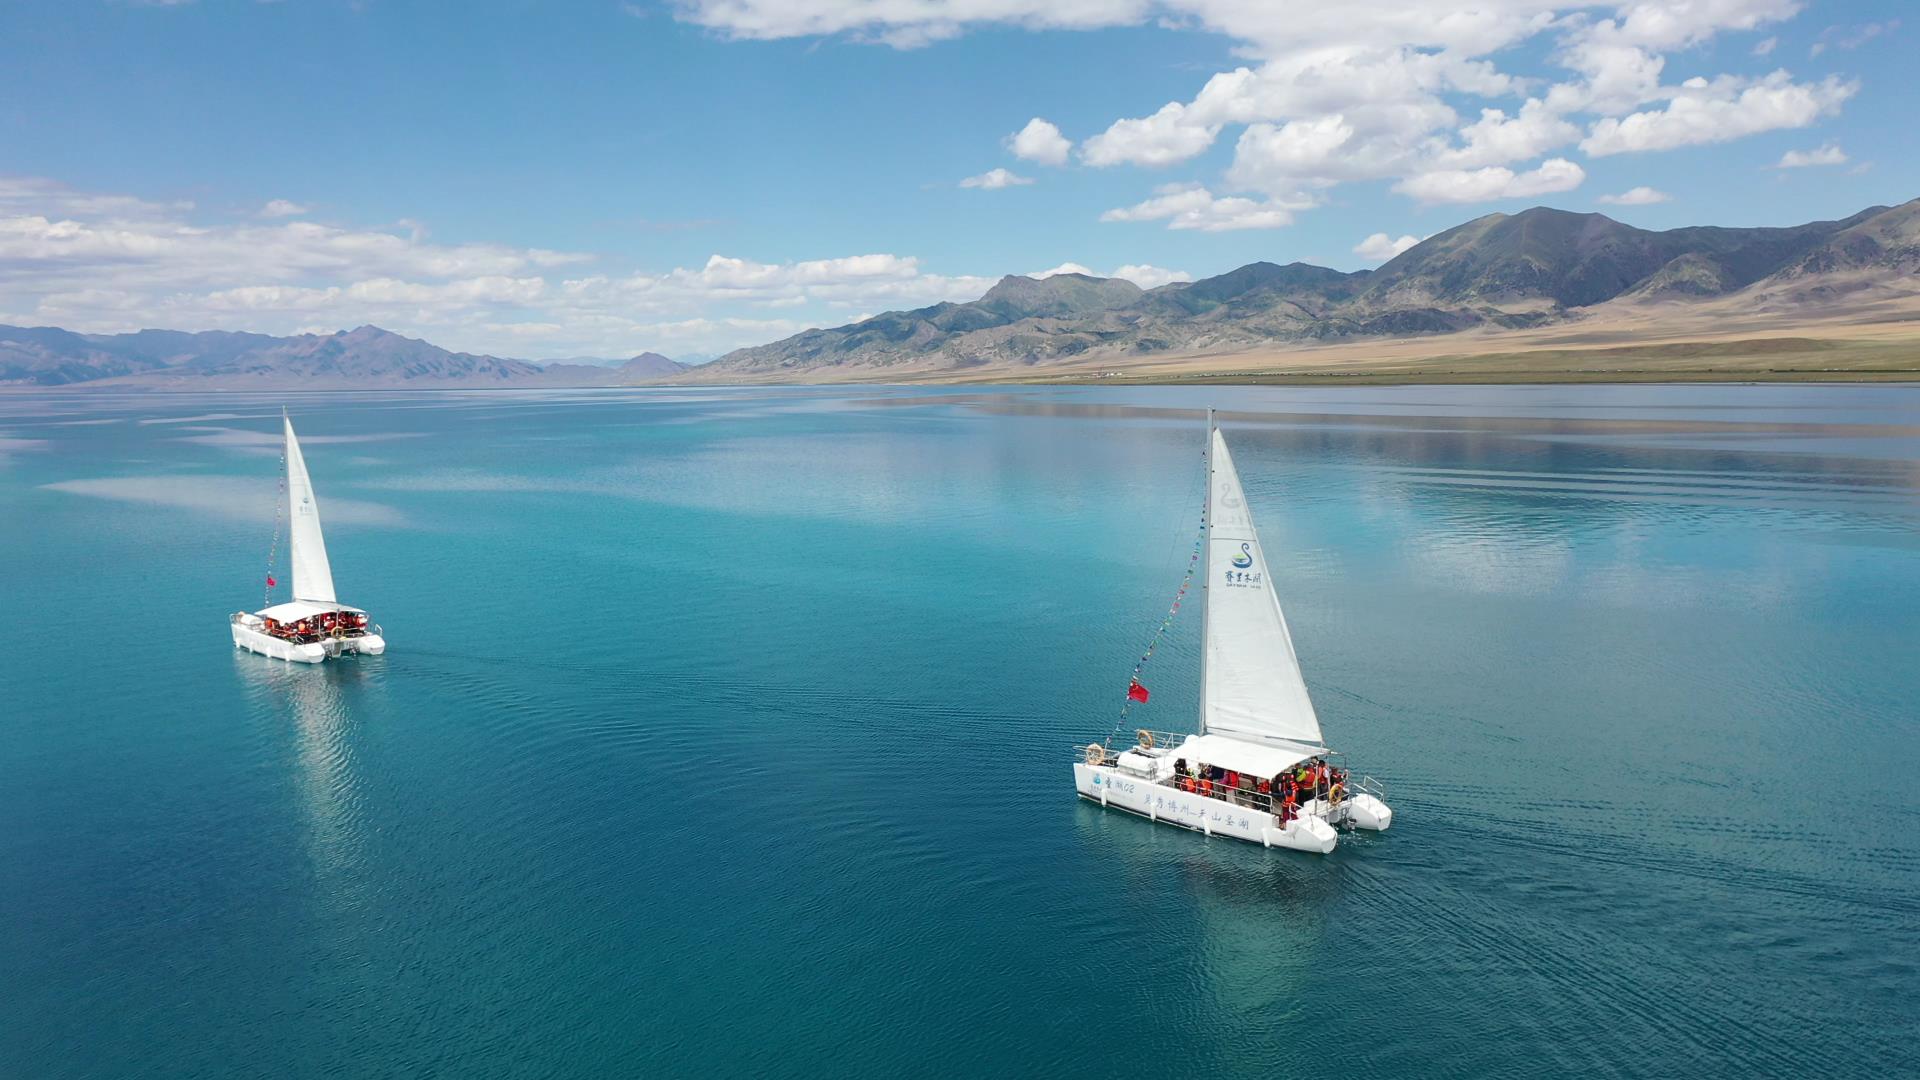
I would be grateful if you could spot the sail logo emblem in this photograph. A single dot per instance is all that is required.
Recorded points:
(1227, 497)
(1244, 559)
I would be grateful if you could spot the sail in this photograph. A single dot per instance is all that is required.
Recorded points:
(307, 550)
(1252, 685)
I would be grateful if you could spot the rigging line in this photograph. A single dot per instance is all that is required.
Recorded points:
(273, 550)
(1186, 582)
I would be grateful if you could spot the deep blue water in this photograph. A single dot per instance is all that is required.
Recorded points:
(728, 733)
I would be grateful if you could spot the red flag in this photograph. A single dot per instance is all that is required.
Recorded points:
(270, 582)
(1136, 692)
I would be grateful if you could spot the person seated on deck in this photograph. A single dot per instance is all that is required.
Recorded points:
(1204, 780)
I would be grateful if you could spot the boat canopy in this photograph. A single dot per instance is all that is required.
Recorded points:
(1257, 758)
(295, 610)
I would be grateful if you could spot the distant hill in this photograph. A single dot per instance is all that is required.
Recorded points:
(1524, 273)
(1501, 271)
(363, 358)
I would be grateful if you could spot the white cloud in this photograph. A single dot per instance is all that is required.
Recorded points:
(1164, 138)
(1150, 277)
(1492, 182)
(1717, 110)
(1766, 47)
(994, 179)
(1339, 93)
(1829, 154)
(281, 208)
(110, 263)
(1191, 206)
(1380, 247)
(903, 25)
(1851, 37)
(1640, 196)
(1141, 274)
(1499, 139)
(1040, 142)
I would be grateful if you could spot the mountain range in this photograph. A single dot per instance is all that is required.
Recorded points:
(1501, 271)
(367, 357)
(1540, 268)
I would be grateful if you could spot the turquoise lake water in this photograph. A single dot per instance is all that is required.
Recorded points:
(728, 733)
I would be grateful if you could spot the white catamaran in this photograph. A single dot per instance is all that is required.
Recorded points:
(1258, 769)
(313, 625)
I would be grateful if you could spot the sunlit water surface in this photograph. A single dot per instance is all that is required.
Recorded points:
(728, 732)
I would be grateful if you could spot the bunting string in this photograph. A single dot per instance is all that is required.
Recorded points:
(1186, 582)
(279, 511)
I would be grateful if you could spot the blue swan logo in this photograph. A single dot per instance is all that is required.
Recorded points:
(1244, 559)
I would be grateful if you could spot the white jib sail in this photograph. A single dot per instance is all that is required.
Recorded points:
(306, 549)
(1253, 684)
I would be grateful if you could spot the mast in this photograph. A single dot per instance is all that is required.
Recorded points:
(1206, 573)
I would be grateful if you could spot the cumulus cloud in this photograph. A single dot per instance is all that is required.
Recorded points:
(1339, 93)
(281, 208)
(1040, 142)
(1141, 274)
(1380, 247)
(1161, 139)
(1716, 110)
(1829, 154)
(110, 263)
(1640, 196)
(1192, 206)
(1493, 182)
(994, 179)
(1499, 139)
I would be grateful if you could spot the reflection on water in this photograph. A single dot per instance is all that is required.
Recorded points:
(313, 700)
(758, 706)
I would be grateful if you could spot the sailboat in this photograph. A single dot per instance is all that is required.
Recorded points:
(1258, 768)
(313, 625)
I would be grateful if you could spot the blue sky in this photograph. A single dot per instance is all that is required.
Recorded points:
(601, 178)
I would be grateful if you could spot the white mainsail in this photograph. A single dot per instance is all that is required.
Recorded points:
(1251, 683)
(307, 550)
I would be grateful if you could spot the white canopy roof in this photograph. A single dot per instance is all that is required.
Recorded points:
(1258, 758)
(295, 610)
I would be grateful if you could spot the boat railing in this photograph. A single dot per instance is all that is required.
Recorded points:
(1146, 741)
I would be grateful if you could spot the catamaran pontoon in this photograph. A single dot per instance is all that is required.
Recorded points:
(313, 625)
(1258, 769)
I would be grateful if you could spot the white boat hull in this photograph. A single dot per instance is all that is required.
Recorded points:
(255, 641)
(1366, 812)
(1108, 786)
